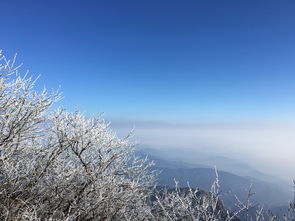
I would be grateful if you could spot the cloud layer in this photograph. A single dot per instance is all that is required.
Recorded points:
(269, 148)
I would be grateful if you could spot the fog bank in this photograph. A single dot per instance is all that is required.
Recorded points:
(269, 148)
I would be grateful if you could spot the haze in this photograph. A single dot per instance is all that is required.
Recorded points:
(268, 148)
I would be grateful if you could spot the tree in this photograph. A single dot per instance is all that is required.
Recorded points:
(63, 166)
(291, 209)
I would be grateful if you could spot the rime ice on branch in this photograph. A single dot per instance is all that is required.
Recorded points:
(63, 166)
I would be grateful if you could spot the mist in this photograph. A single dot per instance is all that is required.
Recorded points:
(268, 148)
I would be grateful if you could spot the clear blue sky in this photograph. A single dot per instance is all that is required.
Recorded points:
(163, 60)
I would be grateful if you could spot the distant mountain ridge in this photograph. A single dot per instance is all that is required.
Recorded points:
(202, 176)
(265, 193)
(198, 159)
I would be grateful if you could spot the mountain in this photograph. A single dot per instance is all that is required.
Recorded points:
(200, 175)
(198, 159)
(231, 185)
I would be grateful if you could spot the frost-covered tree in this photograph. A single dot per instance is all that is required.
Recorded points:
(63, 166)
(291, 210)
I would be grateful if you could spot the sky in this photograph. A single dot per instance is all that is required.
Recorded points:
(194, 61)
